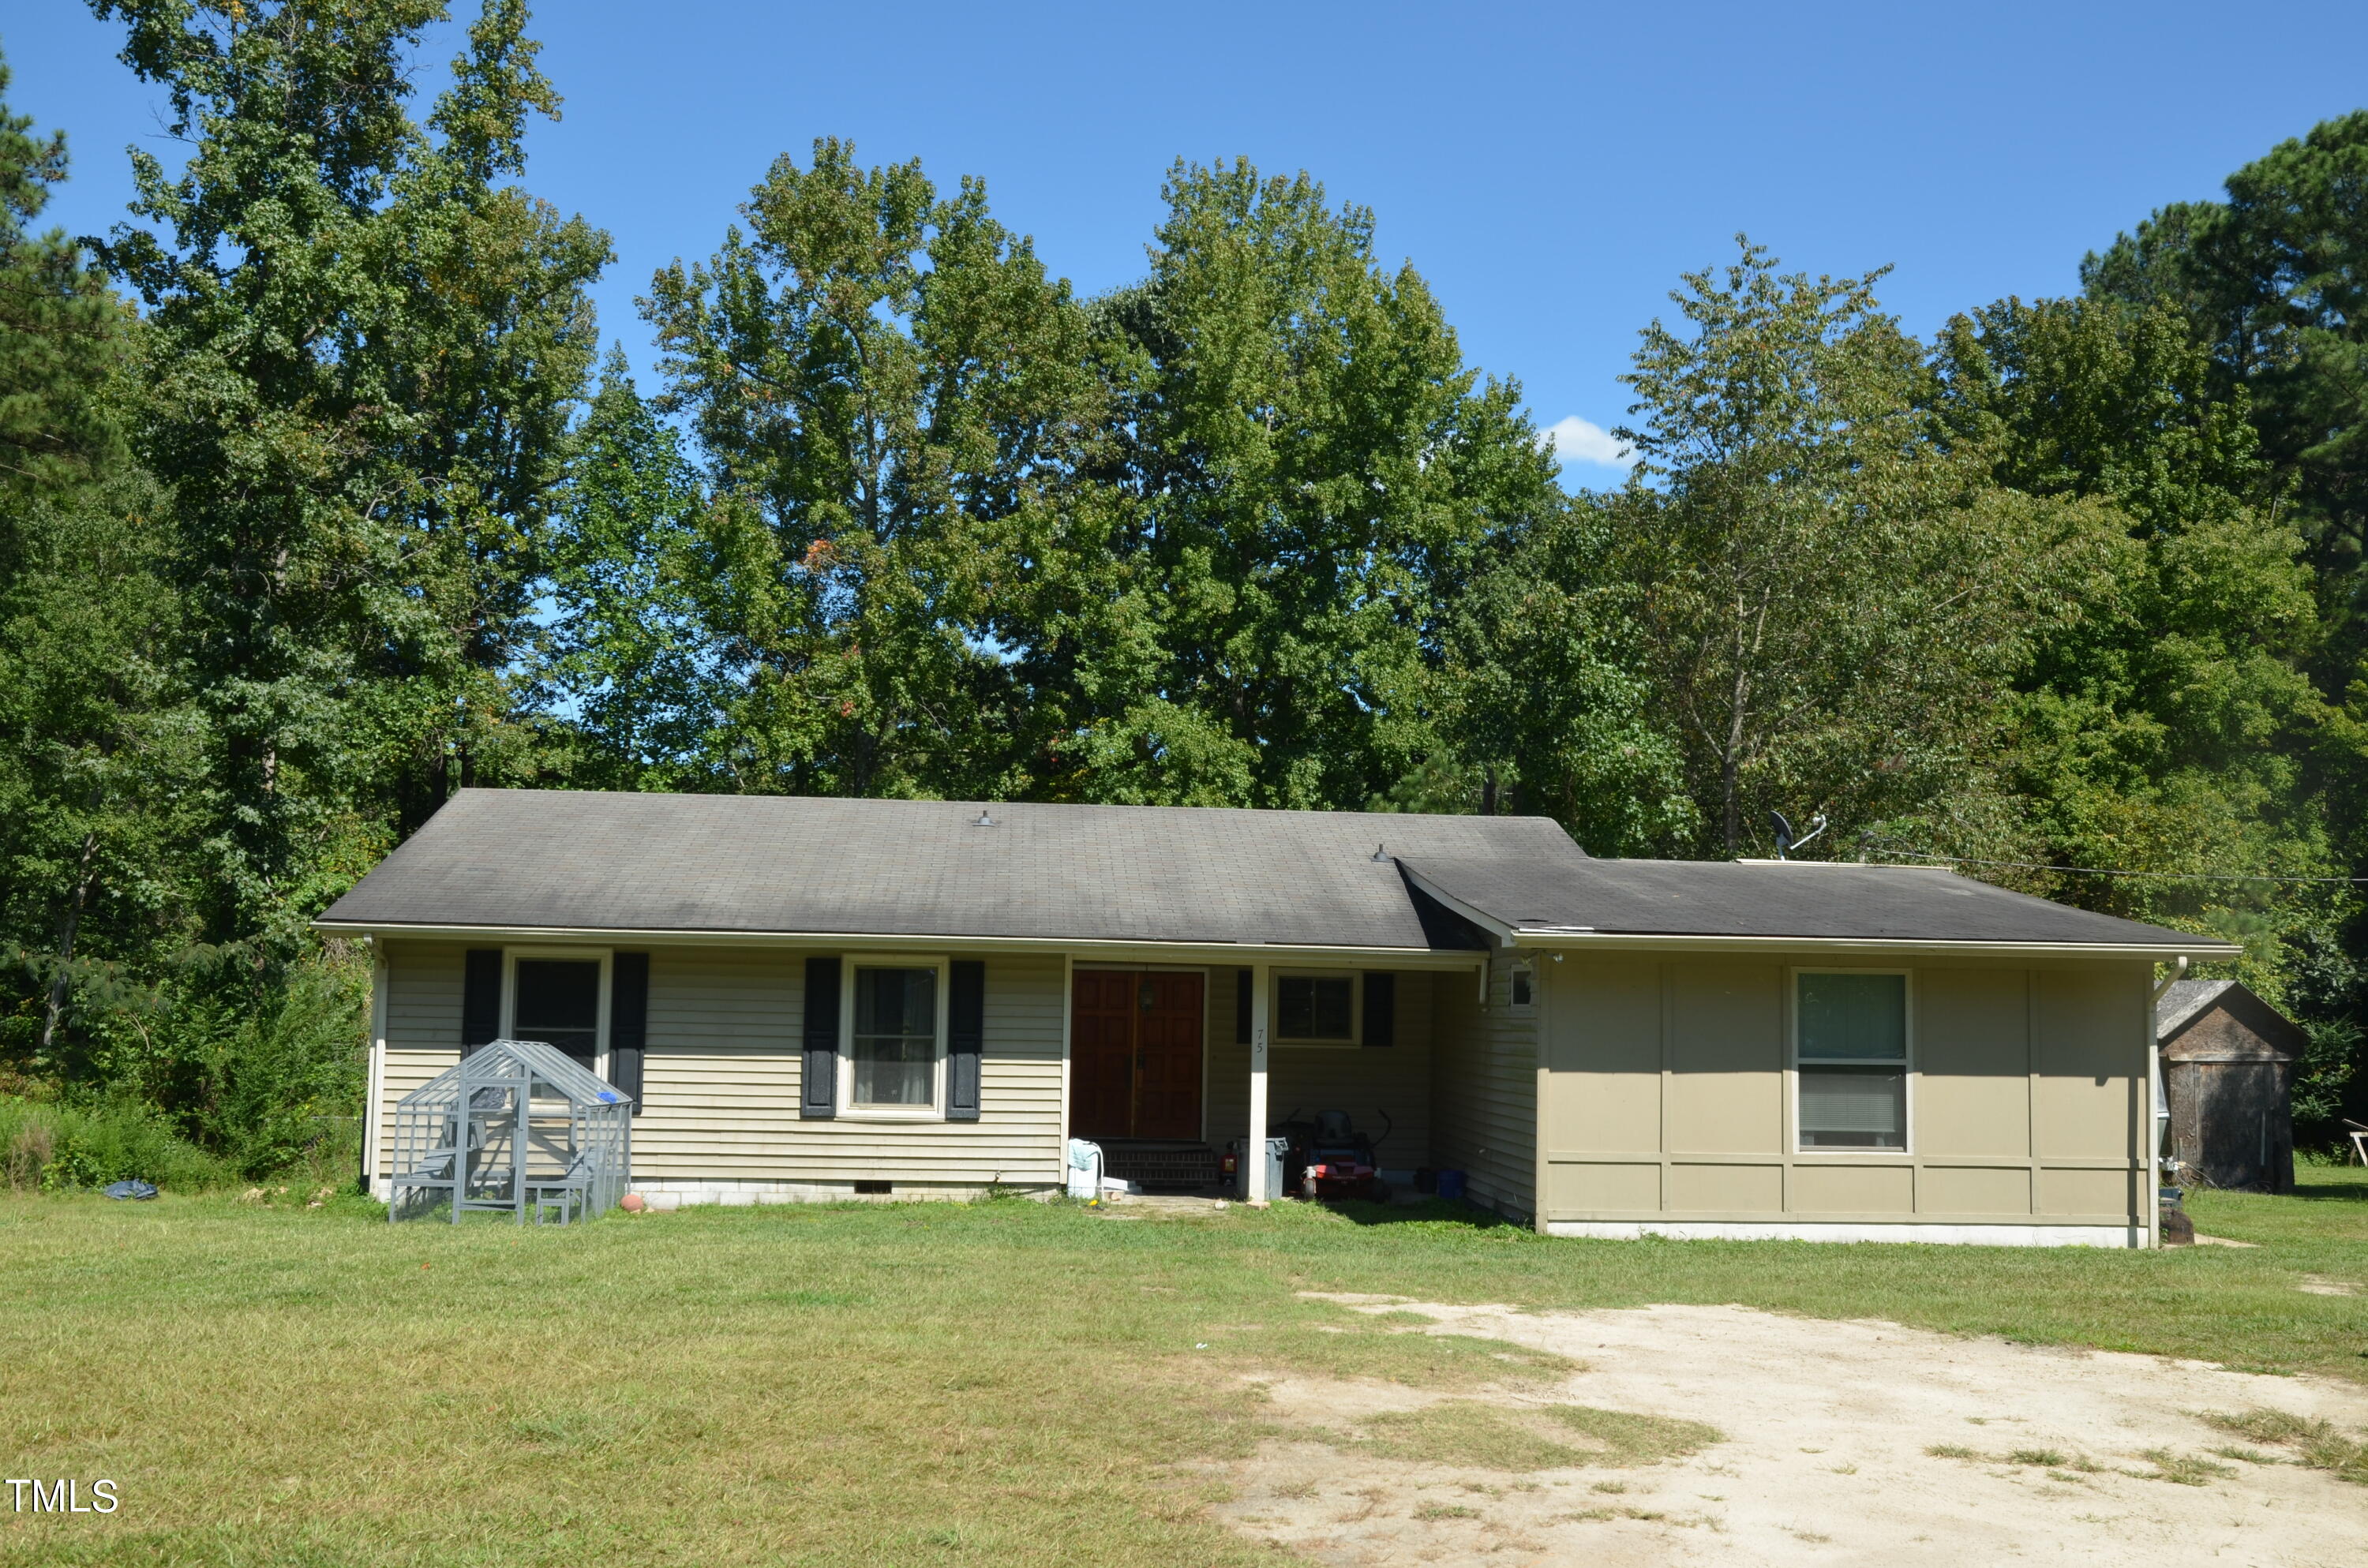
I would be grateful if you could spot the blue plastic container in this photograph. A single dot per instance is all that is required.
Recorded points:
(1450, 1185)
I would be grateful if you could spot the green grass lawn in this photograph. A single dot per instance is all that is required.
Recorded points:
(1004, 1382)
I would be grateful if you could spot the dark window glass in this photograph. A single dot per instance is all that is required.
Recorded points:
(1315, 1006)
(558, 1003)
(1853, 1061)
(1521, 982)
(895, 1044)
(1853, 1017)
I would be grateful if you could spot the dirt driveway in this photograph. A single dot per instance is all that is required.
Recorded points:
(1843, 1443)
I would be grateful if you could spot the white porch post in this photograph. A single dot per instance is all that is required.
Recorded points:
(374, 1081)
(1255, 1153)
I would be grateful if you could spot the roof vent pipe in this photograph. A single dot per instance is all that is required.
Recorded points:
(1380, 855)
(985, 819)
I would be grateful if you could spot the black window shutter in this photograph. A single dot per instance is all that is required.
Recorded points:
(821, 1074)
(629, 1022)
(965, 1038)
(1241, 989)
(1381, 1008)
(481, 999)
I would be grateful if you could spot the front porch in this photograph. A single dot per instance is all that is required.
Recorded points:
(1171, 1067)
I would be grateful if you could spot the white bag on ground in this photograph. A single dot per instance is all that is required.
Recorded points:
(1085, 1170)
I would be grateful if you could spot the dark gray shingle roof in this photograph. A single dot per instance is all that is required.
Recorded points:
(536, 859)
(512, 858)
(1815, 899)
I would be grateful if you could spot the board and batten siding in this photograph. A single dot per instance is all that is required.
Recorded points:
(1371, 1083)
(1485, 1088)
(1669, 1098)
(722, 1070)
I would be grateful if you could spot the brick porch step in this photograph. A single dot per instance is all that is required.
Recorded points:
(1154, 1166)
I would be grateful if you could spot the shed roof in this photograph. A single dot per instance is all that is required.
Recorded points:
(541, 860)
(2182, 1000)
(2252, 1029)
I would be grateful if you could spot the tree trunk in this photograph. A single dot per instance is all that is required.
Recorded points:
(67, 925)
(1731, 767)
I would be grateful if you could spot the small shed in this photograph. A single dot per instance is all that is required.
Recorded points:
(517, 1128)
(2227, 1072)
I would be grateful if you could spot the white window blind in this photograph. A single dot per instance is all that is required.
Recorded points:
(895, 1037)
(1853, 1056)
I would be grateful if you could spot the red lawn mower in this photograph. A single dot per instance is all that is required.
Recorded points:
(1328, 1158)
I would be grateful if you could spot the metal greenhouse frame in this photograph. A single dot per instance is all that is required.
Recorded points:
(518, 1128)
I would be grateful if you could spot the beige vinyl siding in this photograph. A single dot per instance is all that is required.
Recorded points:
(1669, 1097)
(721, 1077)
(1483, 1088)
(423, 1025)
(1378, 1086)
(721, 1083)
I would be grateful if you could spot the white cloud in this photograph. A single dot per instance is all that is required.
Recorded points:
(1577, 441)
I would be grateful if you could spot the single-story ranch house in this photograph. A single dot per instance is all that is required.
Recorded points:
(817, 998)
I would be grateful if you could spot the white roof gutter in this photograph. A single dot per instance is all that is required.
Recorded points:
(1220, 953)
(1568, 940)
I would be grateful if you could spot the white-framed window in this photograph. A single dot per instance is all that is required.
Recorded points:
(892, 1038)
(1851, 1058)
(559, 996)
(1521, 987)
(1318, 1007)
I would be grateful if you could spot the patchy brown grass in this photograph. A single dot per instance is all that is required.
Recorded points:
(1526, 1437)
(2312, 1442)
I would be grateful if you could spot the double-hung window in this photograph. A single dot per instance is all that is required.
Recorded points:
(896, 1037)
(1316, 1009)
(1851, 1050)
(558, 998)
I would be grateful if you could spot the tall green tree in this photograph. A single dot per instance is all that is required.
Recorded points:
(1545, 699)
(1828, 599)
(62, 331)
(1302, 472)
(2274, 282)
(367, 347)
(98, 734)
(890, 394)
(641, 660)
(2169, 724)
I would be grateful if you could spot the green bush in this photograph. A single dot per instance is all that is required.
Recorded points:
(273, 1068)
(52, 1147)
(254, 1066)
(2325, 1081)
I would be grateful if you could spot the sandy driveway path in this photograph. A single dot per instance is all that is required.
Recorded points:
(1828, 1427)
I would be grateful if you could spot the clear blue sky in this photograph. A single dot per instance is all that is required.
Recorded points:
(1551, 168)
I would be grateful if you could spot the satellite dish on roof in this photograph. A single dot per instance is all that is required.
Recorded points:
(1785, 842)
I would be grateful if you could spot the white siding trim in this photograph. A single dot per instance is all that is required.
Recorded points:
(375, 1090)
(1068, 1010)
(2122, 1236)
(690, 1192)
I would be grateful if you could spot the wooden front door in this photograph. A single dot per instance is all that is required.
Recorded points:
(1134, 1049)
